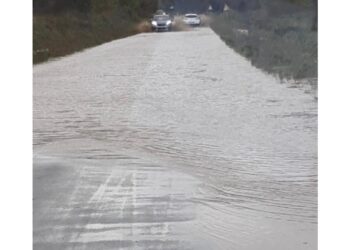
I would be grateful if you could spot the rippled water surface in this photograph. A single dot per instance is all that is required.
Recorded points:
(171, 141)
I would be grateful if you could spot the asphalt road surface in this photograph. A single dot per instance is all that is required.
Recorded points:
(171, 141)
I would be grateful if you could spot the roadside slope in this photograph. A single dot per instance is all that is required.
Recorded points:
(62, 29)
(279, 38)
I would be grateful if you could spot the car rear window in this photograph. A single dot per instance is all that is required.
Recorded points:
(191, 16)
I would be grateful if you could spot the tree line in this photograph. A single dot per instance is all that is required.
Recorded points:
(144, 6)
(219, 5)
(134, 7)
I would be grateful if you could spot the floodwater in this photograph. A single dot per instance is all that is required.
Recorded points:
(171, 141)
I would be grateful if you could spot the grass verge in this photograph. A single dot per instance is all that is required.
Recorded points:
(65, 33)
(283, 45)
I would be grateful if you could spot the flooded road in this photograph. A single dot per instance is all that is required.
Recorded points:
(171, 141)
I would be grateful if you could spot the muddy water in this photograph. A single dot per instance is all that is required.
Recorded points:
(171, 141)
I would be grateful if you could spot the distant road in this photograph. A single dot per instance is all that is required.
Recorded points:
(171, 141)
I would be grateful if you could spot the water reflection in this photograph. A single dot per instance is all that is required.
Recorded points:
(248, 141)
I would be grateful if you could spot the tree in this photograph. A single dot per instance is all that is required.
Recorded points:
(315, 24)
(243, 5)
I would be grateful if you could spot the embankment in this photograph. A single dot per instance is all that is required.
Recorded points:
(59, 35)
(280, 42)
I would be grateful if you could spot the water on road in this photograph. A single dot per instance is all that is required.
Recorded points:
(171, 141)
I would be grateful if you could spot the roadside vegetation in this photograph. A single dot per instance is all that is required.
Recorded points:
(61, 27)
(279, 37)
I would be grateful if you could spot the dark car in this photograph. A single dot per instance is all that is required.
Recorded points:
(161, 23)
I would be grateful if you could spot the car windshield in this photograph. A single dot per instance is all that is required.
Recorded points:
(161, 18)
(191, 16)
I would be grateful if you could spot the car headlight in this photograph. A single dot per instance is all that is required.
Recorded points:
(168, 22)
(154, 23)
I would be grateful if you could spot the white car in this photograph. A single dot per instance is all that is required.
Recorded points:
(192, 19)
